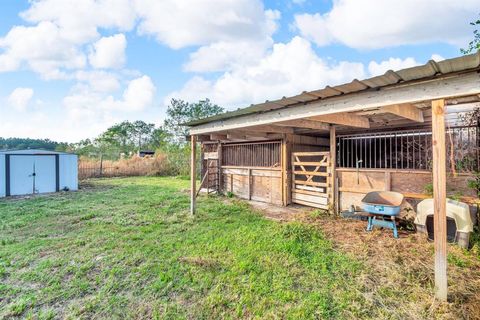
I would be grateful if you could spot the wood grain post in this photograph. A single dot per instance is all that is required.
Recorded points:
(439, 196)
(193, 173)
(249, 183)
(332, 168)
(219, 168)
(286, 169)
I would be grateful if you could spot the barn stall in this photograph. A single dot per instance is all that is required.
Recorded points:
(25, 172)
(413, 131)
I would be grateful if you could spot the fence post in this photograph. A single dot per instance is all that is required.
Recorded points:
(101, 165)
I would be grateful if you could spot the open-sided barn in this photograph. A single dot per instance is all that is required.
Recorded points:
(406, 131)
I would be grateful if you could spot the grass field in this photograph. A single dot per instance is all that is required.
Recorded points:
(127, 248)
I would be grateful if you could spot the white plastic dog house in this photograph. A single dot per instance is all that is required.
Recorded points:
(459, 220)
(37, 171)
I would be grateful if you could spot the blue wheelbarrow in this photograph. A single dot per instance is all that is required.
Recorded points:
(382, 204)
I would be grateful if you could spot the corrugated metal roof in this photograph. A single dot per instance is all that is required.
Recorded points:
(31, 151)
(426, 71)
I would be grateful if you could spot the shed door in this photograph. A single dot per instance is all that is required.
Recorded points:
(45, 174)
(32, 174)
(21, 175)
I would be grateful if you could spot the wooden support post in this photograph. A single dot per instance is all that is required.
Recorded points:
(388, 181)
(249, 184)
(439, 196)
(208, 179)
(286, 169)
(193, 173)
(332, 168)
(219, 169)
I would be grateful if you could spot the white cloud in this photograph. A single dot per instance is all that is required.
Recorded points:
(221, 56)
(288, 69)
(20, 98)
(314, 27)
(437, 57)
(109, 52)
(226, 55)
(181, 23)
(98, 81)
(388, 23)
(42, 48)
(80, 20)
(54, 46)
(375, 68)
(137, 96)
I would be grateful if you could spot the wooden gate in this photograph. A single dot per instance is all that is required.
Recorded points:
(311, 185)
(210, 173)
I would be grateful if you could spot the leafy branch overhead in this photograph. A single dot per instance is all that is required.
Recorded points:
(474, 45)
(180, 112)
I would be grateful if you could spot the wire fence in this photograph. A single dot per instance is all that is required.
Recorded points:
(159, 165)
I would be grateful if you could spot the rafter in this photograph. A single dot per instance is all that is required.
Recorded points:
(305, 123)
(407, 111)
(346, 119)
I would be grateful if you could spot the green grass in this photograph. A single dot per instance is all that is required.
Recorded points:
(127, 248)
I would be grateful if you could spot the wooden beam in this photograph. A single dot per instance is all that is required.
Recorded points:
(218, 137)
(306, 123)
(333, 163)
(443, 87)
(243, 135)
(407, 111)
(272, 129)
(193, 173)
(346, 119)
(313, 141)
(440, 198)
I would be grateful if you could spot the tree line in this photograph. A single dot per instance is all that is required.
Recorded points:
(128, 137)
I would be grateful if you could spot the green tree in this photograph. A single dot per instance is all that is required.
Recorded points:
(180, 112)
(474, 45)
(117, 138)
(141, 132)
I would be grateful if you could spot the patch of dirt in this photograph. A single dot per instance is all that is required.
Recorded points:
(397, 268)
(281, 214)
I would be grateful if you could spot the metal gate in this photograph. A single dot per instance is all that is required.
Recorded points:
(311, 179)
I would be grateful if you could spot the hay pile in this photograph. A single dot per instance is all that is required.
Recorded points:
(399, 280)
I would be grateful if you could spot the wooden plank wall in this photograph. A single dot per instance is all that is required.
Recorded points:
(258, 184)
(410, 183)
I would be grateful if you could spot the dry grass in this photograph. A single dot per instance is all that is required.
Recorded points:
(159, 165)
(400, 278)
(399, 282)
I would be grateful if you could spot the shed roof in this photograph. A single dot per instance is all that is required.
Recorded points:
(424, 72)
(31, 152)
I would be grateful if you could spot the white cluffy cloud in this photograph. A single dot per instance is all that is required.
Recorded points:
(54, 45)
(378, 68)
(287, 69)
(20, 98)
(137, 96)
(379, 24)
(108, 52)
(181, 23)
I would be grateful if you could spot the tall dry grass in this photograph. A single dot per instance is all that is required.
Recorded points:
(162, 164)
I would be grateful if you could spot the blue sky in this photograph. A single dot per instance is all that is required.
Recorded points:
(70, 69)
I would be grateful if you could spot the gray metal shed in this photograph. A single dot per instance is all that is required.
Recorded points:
(37, 171)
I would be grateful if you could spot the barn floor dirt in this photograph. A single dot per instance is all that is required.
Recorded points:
(395, 267)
